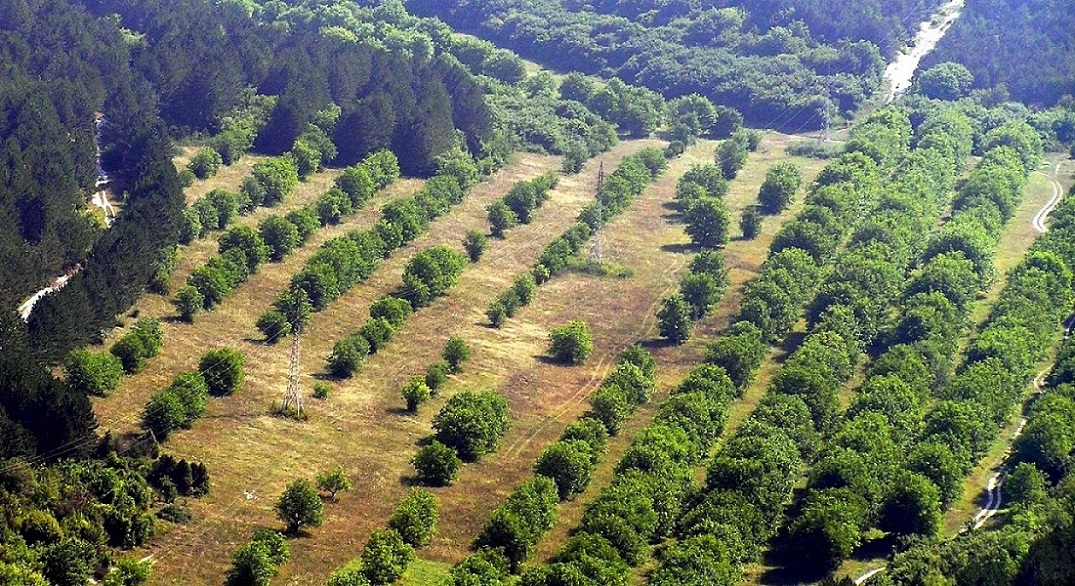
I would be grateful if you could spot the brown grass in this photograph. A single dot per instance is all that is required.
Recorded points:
(230, 177)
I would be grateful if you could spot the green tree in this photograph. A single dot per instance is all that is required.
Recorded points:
(569, 464)
(472, 423)
(474, 243)
(501, 218)
(912, 507)
(300, 506)
(782, 181)
(674, 319)
(415, 519)
(701, 291)
(416, 392)
(571, 343)
(280, 235)
(750, 223)
(707, 222)
(334, 481)
(393, 309)
(731, 156)
(205, 163)
(247, 240)
(385, 557)
(436, 464)
(188, 302)
(455, 353)
(223, 369)
(828, 528)
(945, 81)
(347, 356)
(93, 373)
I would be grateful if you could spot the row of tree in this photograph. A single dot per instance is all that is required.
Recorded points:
(220, 373)
(520, 203)
(630, 178)
(1037, 489)
(347, 260)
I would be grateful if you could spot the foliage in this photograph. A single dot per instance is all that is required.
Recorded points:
(385, 556)
(93, 373)
(300, 506)
(415, 518)
(456, 352)
(334, 481)
(571, 343)
(436, 464)
(674, 319)
(472, 423)
(415, 392)
(223, 369)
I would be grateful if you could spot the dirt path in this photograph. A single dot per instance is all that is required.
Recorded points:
(901, 71)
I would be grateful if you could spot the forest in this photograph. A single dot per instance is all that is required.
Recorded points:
(545, 293)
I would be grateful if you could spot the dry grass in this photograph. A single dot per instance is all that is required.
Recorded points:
(230, 177)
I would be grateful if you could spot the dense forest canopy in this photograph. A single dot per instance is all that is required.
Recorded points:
(789, 65)
(1025, 50)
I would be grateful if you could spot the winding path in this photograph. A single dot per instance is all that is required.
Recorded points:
(1058, 193)
(900, 72)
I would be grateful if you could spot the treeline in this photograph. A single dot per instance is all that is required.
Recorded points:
(1038, 500)
(796, 80)
(628, 181)
(1015, 50)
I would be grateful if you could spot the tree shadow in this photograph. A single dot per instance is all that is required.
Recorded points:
(401, 412)
(678, 248)
(546, 359)
(655, 343)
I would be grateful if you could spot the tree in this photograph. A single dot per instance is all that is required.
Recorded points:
(829, 527)
(472, 423)
(348, 355)
(731, 155)
(436, 464)
(912, 507)
(274, 325)
(501, 218)
(750, 223)
(393, 309)
(945, 81)
(474, 243)
(569, 463)
(280, 235)
(415, 519)
(385, 557)
(93, 373)
(701, 291)
(416, 392)
(223, 370)
(188, 301)
(674, 319)
(571, 343)
(782, 181)
(456, 352)
(128, 572)
(707, 222)
(247, 240)
(205, 163)
(300, 506)
(334, 481)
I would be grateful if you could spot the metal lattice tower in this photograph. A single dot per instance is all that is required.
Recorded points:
(293, 393)
(597, 248)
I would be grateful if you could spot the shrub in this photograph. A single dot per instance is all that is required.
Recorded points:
(205, 163)
(436, 464)
(569, 463)
(247, 240)
(474, 243)
(455, 353)
(163, 414)
(347, 356)
(274, 325)
(782, 181)
(524, 288)
(223, 370)
(472, 423)
(707, 222)
(437, 375)
(415, 518)
(93, 373)
(322, 390)
(415, 392)
(300, 506)
(377, 332)
(131, 353)
(497, 314)
(393, 309)
(334, 481)
(571, 343)
(385, 557)
(674, 319)
(750, 223)
(280, 235)
(188, 301)
(501, 218)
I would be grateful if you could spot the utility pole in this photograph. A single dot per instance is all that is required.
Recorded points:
(597, 248)
(293, 392)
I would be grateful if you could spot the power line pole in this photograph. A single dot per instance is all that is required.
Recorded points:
(597, 248)
(293, 392)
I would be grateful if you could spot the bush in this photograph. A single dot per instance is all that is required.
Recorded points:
(524, 288)
(138, 345)
(334, 481)
(472, 423)
(430, 274)
(93, 373)
(707, 222)
(571, 343)
(474, 243)
(205, 163)
(393, 309)
(455, 353)
(280, 235)
(385, 557)
(415, 392)
(322, 390)
(347, 356)
(569, 463)
(674, 319)
(377, 332)
(497, 314)
(436, 464)
(750, 223)
(437, 375)
(415, 519)
(188, 301)
(300, 506)
(163, 414)
(782, 181)
(247, 240)
(223, 370)
(274, 325)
